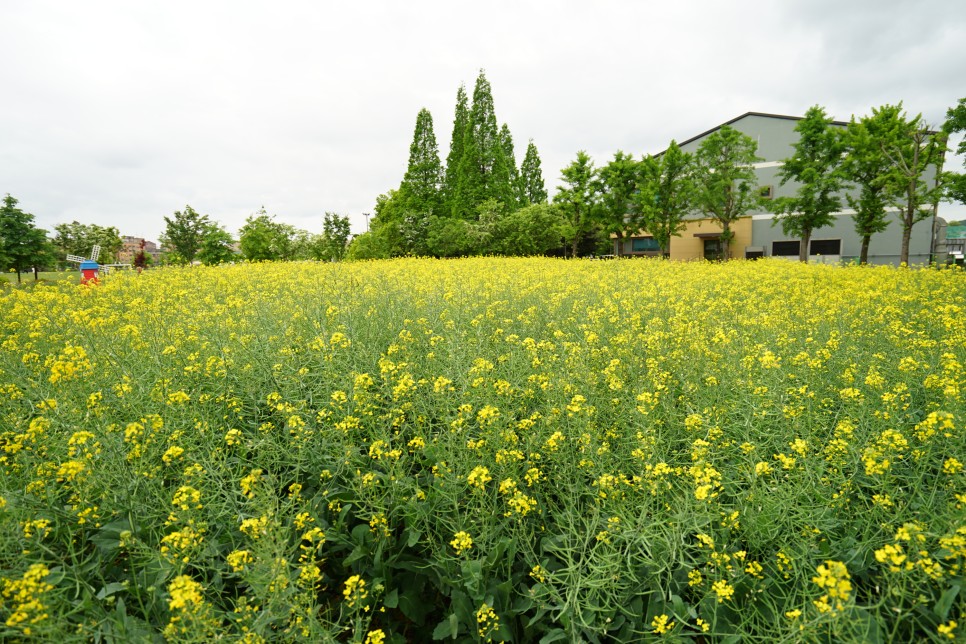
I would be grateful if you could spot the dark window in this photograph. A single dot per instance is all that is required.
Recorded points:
(641, 245)
(826, 247)
(785, 248)
(713, 249)
(766, 192)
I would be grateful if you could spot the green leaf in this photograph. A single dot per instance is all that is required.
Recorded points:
(946, 601)
(556, 635)
(392, 599)
(109, 590)
(449, 627)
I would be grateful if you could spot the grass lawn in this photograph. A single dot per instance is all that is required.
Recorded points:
(48, 276)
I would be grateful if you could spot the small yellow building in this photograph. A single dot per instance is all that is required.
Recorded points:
(700, 239)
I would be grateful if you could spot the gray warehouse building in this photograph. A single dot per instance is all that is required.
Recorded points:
(775, 135)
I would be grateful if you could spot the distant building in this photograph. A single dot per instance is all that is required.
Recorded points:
(956, 243)
(760, 235)
(131, 246)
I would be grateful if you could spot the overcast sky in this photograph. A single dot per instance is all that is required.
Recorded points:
(121, 112)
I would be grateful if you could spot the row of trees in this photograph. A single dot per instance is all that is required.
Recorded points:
(190, 236)
(479, 202)
(25, 247)
(876, 165)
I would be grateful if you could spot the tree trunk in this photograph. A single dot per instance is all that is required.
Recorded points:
(620, 244)
(726, 241)
(906, 233)
(864, 252)
(18, 276)
(573, 249)
(803, 246)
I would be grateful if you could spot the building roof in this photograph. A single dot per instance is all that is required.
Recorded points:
(956, 232)
(747, 114)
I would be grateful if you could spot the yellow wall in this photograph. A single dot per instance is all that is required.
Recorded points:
(687, 246)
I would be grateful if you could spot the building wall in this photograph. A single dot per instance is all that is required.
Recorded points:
(689, 247)
(883, 247)
(776, 137)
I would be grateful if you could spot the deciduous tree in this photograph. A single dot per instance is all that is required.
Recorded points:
(335, 236)
(815, 166)
(579, 200)
(217, 246)
(870, 169)
(264, 239)
(725, 184)
(532, 230)
(956, 123)
(666, 194)
(22, 245)
(184, 233)
(78, 239)
(619, 181)
(912, 153)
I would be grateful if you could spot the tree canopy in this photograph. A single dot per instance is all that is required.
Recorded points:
(76, 238)
(815, 167)
(184, 233)
(22, 244)
(725, 181)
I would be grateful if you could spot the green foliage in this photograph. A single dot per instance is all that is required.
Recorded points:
(531, 177)
(528, 449)
(184, 233)
(956, 123)
(726, 187)
(915, 150)
(815, 167)
(78, 239)
(335, 236)
(451, 182)
(578, 200)
(217, 246)
(483, 171)
(506, 140)
(667, 194)
(620, 182)
(867, 166)
(532, 230)
(421, 188)
(22, 245)
(453, 237)
(264, 239)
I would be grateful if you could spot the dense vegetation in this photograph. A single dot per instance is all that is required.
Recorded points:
(486, 449)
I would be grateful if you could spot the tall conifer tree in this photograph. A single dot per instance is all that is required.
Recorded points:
(506, 141)
(454, 160)
(483, 171)
(421, 187)
(531, 177)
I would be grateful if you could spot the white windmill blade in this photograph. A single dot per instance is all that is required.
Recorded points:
(77, 259)
(95, 252)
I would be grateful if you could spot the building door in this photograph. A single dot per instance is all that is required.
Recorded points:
(712, 248)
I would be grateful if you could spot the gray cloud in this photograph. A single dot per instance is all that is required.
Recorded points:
(120, 113)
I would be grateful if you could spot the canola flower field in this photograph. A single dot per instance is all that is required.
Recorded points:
(486, 449)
